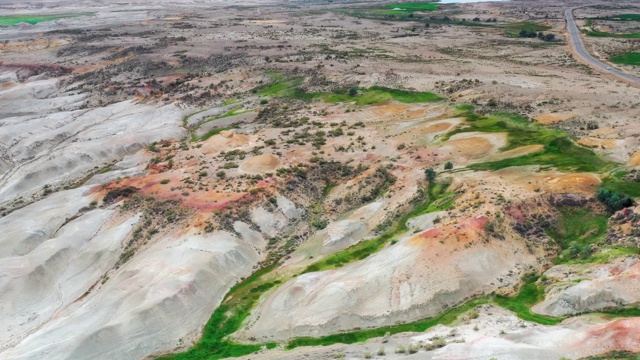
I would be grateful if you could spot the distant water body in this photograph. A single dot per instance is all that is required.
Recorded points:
(464, 1)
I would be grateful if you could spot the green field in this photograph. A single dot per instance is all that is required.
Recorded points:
(290, 88)
(397, 11)
(413, 7)
(622, 17)
(615, 35)
(9, 20)
(630, 58)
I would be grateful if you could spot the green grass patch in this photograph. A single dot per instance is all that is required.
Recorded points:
(559, 150)
(447, 317)
(529, 295)
(280, 86)
(606, 255)
(578, 228)
(438, 199)
(10, 20)
(372, 95)
(630, 58)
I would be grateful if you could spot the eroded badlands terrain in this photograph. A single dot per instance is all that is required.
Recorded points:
(270, 180)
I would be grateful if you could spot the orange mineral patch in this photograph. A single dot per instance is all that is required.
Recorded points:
(553, 118)
(595, 142)
(635, 159)
(436, 128)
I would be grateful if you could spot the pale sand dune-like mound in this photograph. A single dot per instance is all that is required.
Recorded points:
(552, 118)
(226, 140)
(261, 164)
(520, 151)
(473, 145)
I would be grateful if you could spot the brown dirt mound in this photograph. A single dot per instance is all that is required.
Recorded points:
(261, 164)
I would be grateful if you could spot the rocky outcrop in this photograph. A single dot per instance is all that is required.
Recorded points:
(597, 287)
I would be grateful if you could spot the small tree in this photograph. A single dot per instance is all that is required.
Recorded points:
(353, 91)
(448, 165)
(430, 174)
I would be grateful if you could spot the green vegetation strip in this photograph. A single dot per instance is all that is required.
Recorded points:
(621, 17)
(559, 150)
(227, 319)
(438, 199)
(446, 318)
(290, 88)
(10, 20)
(630, 58)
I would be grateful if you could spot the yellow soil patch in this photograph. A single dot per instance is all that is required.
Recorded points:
(595, 142)
(471, 147)
(635, 159)
(523, 150)
(553, 118)
(603, 131)
(261, 164)
(436, 128)
(571, 183)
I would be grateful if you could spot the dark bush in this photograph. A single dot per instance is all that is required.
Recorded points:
(114, 194)
(613, 200)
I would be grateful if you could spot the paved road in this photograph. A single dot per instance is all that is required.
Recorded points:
(578, 46)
